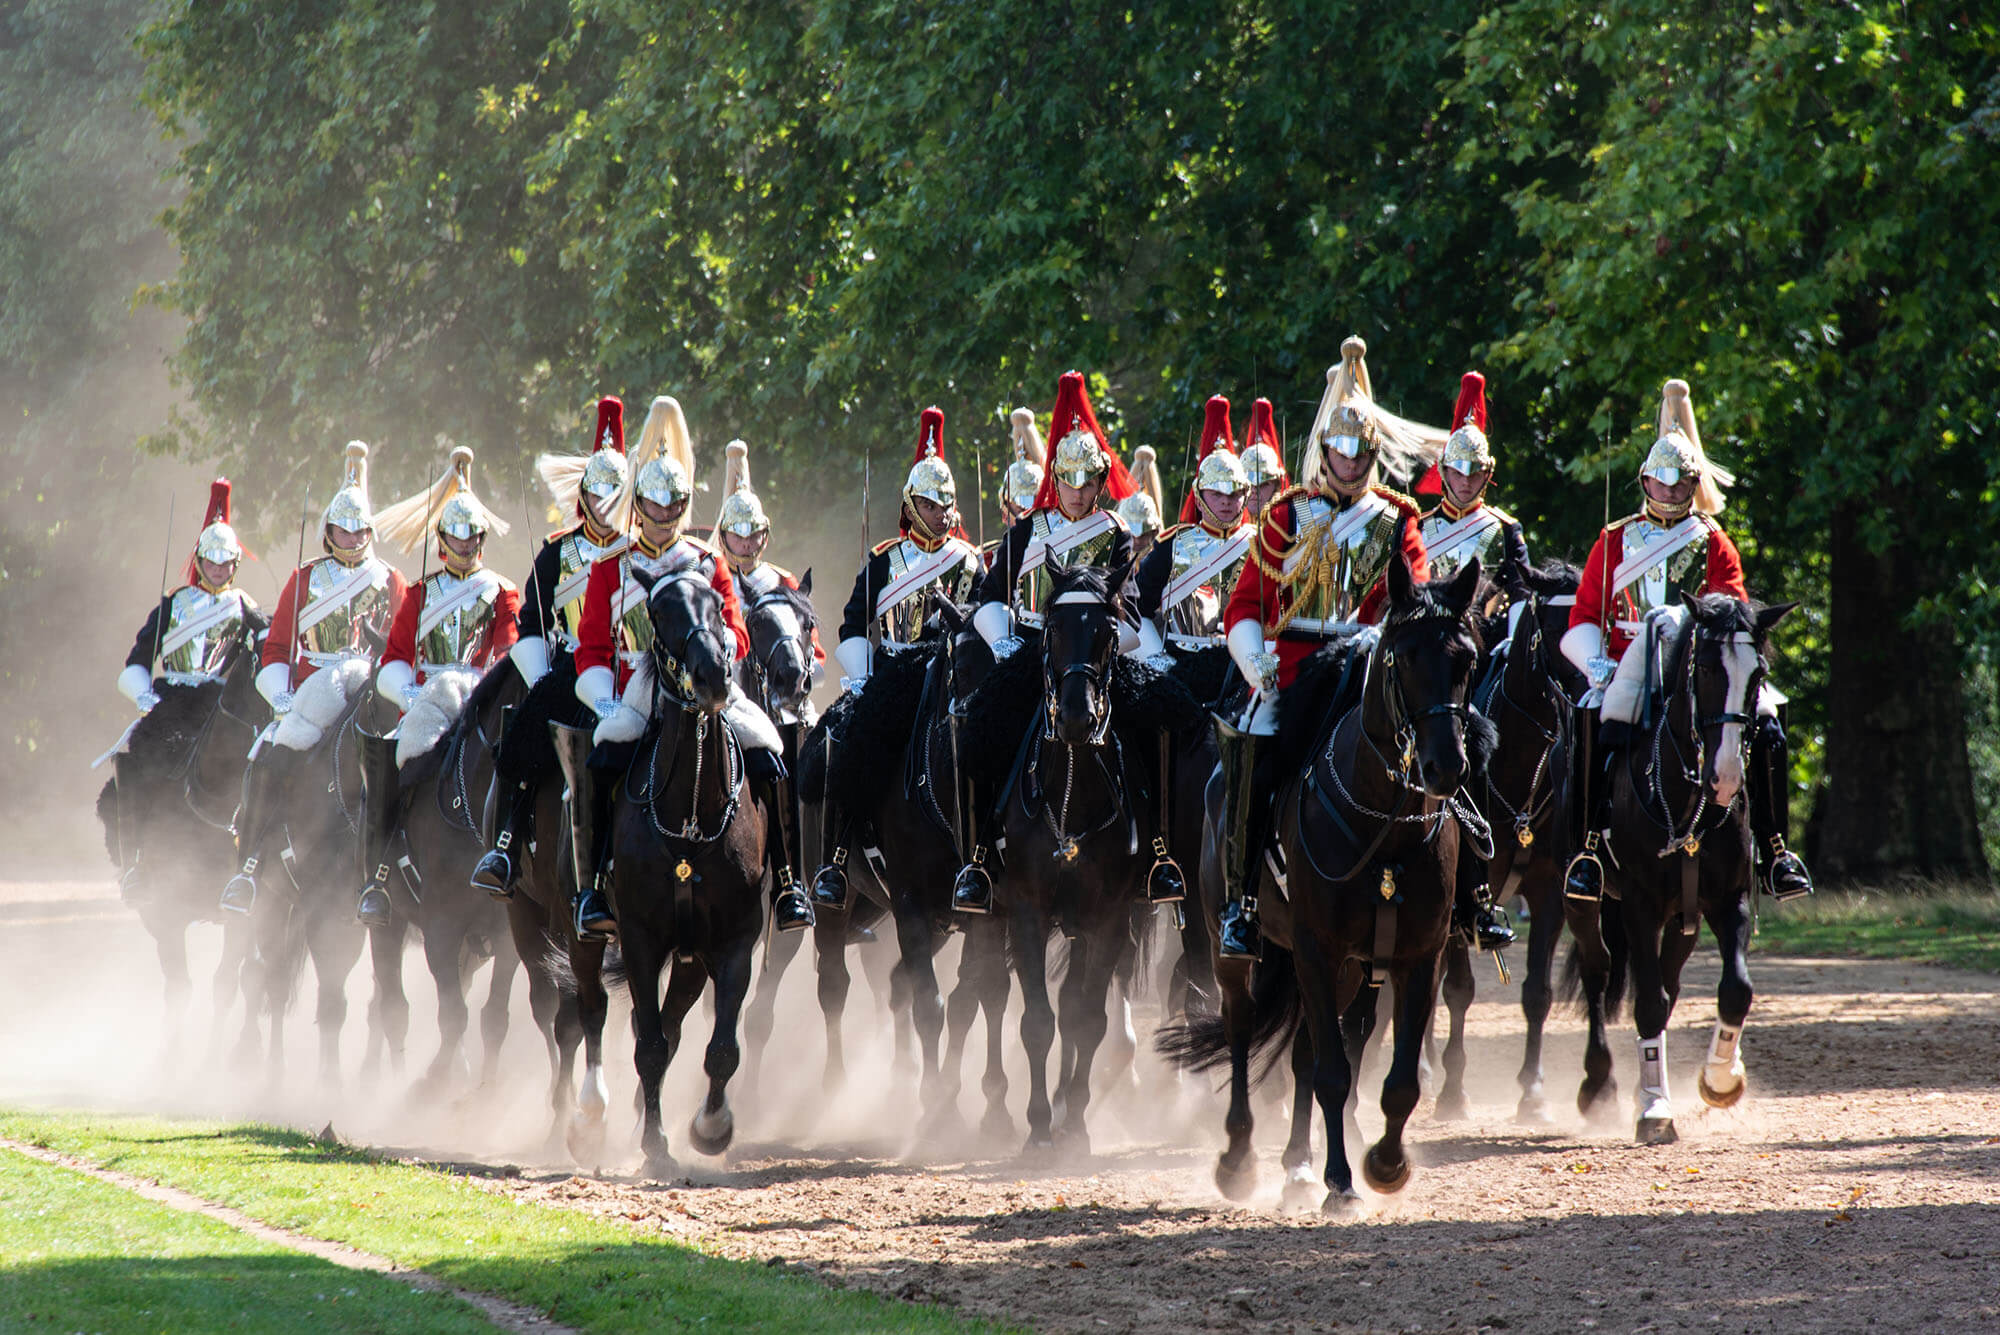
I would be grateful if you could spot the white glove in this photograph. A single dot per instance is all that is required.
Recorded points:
(397, 682)
(136, 685)
(598, 688)
(282, 704)
(854, 657)
(1150, 644)
(531, 658)
(1258, 665)
(849, 685)
(274, 682)
(1160, 662)
(1006, 647)
(146, 701)
(411, 694)
(994, 624)
(1583, 645)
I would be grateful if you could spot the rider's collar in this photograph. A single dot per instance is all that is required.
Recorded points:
(596, 535)
(349, 556)
(201, 582)
(920, 532)
(1069, 518)
(460, 566)
(1666, 516)
(1453, 512)
(647, 547)
(1337, 494)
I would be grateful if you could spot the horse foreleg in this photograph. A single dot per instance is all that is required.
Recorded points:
(652, 1047)
(586, 1128)
(714, 1126)
(389, 1004)
(781, 948)
(170, 944)
(1030, 933)
(1651, 1008)
(1387, 1164)
(454, 1016)
(986, 952)
(1537, 990)
(336, 947)
(1300, 1184)
(830, 947)
(1452, 1104)
(1597, 1095)
(493, 1016)
(1722, 1076)
(1085, 1019)
(917, 944)
(1333, 1069)
(1357, 1026)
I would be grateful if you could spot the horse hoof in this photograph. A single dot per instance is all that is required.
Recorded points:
(1385, 1178)
(585, 1142)
(1452, 1106)
(1342, 1204)
(711, 1134)
(1534, 1111)
(1714, 1098)
(1598, 1107)
(1074, 1143)
(1300, 1189)
(1041, 1147)
(661, 1167)
(1657, 1131)
(1236, 1181)
(996, 1127)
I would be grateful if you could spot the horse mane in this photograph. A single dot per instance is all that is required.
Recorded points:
(1081, 579)
(1552, 577)
(870, 727)
(1716, 612)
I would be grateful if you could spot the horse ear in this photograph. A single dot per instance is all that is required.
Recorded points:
(1692, 602)
(1121, 578)
(806, 582)
(1463, 585)
(1768, 617)
(644, 578)
(1401, 583)
(947, 612)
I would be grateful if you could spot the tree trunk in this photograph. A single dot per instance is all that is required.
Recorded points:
(1898, 797)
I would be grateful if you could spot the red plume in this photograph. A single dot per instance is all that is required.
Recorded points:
(1071, 411)
(1215, 430)
(930, 435)
(1263, 428)
(1471, 407)
(610, 433)
(218, 512)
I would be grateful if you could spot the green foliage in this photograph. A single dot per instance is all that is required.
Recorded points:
(1960, 928)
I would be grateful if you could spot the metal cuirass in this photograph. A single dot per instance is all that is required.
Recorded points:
(631, 613)
(367, 609)
(1686, 571)
(220, 616)
(1092, 551)
(575, 555)
(457, 635)
(1329, 580)
(904, 622)
(1200, 612)
(1449, 544)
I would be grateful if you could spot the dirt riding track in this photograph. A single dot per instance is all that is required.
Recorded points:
(1856, 1187)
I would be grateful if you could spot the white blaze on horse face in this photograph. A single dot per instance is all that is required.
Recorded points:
(1739, 660)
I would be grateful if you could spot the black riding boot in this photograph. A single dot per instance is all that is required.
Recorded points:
(133, 887)
(590, 794)
(972, 890)
(1164, 882)
(1245, 830)
(1583, 879)
(266, 783)
(500, 867)
(791, 911)
(380, 797)
(1782, 872)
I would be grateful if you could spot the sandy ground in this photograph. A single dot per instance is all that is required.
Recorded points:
(1857, 1186)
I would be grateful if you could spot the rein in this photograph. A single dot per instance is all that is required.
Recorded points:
(1537, 802)
(671, 667)
(1654, 789)
(1097, 690)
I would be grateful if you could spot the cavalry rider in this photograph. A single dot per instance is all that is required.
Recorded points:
(188, 634)
(1186, 580)
(1316, 568)
(1263, 461)
(1463, 527)
(1022, 481)
(595, 487)
(743, 534)
(1144, 510)
(1065, 522)
(887, 607)
(614, 637)
(1638, 571)
(334, 609)
(457, 623)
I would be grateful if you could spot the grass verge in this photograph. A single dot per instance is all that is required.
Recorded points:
(582, 1271)
(1960, 928)
(79, 1254)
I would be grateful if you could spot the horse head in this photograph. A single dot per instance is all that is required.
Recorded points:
(781, 624)
(1427, 653)
(1546, 593)
(692, 646)
(1716, 665)
(971, 660)
(1079, 640)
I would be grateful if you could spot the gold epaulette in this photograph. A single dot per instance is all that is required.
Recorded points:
(1502, 515)
(885, 545)
(1407, 504)
(1273, 563)
(1172, 529)
(783, 573)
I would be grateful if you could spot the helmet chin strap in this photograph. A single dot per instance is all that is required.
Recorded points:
(1668, 514)
(348, 556)
(456, 564)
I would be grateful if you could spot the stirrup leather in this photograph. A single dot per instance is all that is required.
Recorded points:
(1586, 856)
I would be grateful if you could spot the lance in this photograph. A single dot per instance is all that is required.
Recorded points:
(166, 565)
(298, 590)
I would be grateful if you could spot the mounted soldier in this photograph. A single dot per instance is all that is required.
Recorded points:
(886, 611)
(1144, 510)
(334, 609)
(614, 673)
(1640, 570)
(1263, 461)
(187, 637)
(743, 535)
(1185, 581)
(1074, 521)
(1022, 481)
(1316, 569)
(595, 487)
(1461, 528)
(454, 625)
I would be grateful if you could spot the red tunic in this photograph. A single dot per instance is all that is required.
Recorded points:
(1265, 592)
(600, 634)
(1596, 605)
(282, 646)
(494, 639)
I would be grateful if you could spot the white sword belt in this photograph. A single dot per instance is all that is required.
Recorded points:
(332, 659)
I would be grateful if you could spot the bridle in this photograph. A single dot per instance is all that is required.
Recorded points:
(671, 666)
(1666, 738)
(672, 681)
(1536, 660)
(1094, 673)
(764, 666)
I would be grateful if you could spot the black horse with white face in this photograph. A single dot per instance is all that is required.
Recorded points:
(1679, 852)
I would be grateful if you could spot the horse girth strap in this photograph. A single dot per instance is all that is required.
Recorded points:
(1384, 944)
(684, 879)
(1690, 892)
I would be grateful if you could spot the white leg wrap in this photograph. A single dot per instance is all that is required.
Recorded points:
(1725, 1058)
(1654, 1102)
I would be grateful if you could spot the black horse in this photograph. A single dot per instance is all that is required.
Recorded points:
(911, 834)
(168, 814)
(688, 876)
(442, 793)
(1371, 753)
(1678, 851)
(1526, 694)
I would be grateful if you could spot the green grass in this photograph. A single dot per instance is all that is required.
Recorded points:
(1960, 928)
(591, 1273)
(79, 1254)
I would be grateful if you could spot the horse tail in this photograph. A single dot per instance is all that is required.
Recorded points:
(1201, 1043)
(555, 966)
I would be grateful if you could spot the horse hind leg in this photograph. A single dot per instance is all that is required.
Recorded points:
(585, 1133)
(1538, 993)
(1301, 1183)
(1452, 1104)
(835, 979)
(760, 1017)
(1085, 1019)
